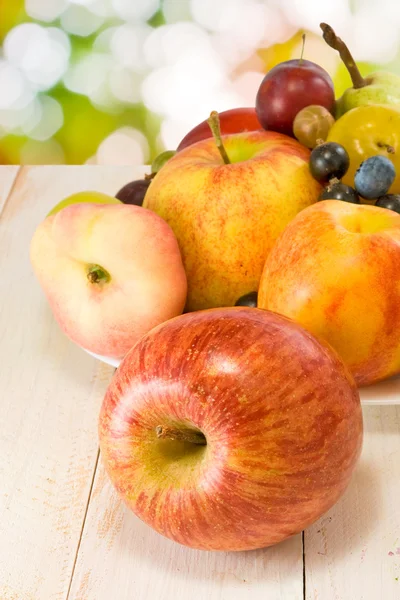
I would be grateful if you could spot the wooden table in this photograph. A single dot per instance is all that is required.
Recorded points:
(64, 534)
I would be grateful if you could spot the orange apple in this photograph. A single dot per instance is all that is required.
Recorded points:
(336, 271)
(110, 272)
(227, 217)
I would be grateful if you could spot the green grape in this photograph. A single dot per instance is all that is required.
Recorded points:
(312, 124)
(161, 159)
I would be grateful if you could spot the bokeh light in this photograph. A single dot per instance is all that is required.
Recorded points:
(79, 20)
(124, 146)
(45, 11)
(139, 10)
(41, 53)
(118, 81)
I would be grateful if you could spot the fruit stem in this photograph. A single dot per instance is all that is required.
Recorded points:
(336, 43)
(303, 37)
(181, 435)
(389, 149)
(213, 122)
(97, 274)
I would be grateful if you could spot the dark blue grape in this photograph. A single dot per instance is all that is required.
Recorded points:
(339, 191)
(329, 160)
(389, 201)
(247, 300)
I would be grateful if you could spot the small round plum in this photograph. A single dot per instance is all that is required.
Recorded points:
(134, 192)
(289, 87)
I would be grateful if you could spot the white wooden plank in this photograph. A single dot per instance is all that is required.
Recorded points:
(43, 180)
(119, 552)
(50, 394)
(8, 174)
(353, 552)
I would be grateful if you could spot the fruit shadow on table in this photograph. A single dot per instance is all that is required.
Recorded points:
(347, 535)
(163, 555)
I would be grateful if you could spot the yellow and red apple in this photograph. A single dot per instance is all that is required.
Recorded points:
(336, 271)
(230, 429)
(110, 272)
(227, 217)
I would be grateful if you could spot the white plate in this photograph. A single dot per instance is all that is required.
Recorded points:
(383, 393)
(113, 362)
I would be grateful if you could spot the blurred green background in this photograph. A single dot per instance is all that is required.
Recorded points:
(118, 81)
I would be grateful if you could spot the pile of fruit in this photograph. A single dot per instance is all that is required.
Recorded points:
(238, 423)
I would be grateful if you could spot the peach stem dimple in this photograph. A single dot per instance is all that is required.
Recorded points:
(97, 274)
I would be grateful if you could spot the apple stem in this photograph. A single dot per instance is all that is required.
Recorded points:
(214, 124)
(97, 274)
(336, 43)
(303, 37)
(181, 435)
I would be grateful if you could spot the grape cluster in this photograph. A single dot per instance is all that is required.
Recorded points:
(329, 162)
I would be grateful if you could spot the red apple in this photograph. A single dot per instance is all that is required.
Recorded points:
(234, 120)
(230, 428)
